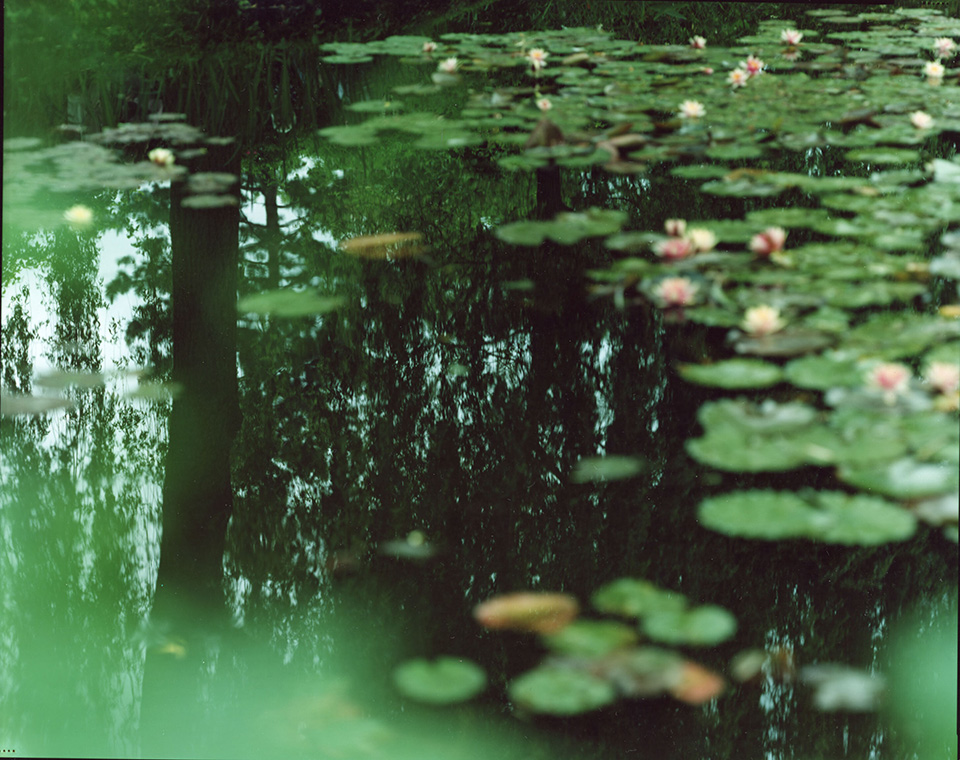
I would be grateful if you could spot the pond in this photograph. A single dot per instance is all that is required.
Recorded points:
(466, 395)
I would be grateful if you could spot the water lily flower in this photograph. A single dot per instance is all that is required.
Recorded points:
(538, 58)
(706, 70)
(944, 47)
(544, 104)
(738, 78)
(703, 239)
(762, 320)
(675, 227)
(698, 43)
(891, 378)
(769, 241)
(691, 109)
(429, 47)
(791, 36)
(944, 377)
(161, 157)
(449, 66)
(934, 69)
(78, 216)
(675, 292)
(921, 120)
(674, 249)
(752, 65)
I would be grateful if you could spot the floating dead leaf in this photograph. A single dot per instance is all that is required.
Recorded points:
(389, 245)
(527, 611)
(696, 684)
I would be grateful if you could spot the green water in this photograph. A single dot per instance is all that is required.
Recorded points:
(224, 528)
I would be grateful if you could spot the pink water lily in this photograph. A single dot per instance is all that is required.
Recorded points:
(675, 227)
(674, 292)
(674, 249)
(544, 104)
(769, 241)
(761, 321)
(891, 379)
(791, 36)
(944, 47)
(752, 65)
(698, 43)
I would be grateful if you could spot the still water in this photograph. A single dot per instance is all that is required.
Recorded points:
(221, 534)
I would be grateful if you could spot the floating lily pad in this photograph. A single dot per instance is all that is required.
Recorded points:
(375, 106)
(67, 379)
(557, 691)
(884, 155)
(904, 478)
(12, 405)
(591, 638)
(832, 517)
(593, 469)
(825, 371)
(443, 681)
(701, 626)
(786, 343)
(634, 597)
(566, 228)
(733, 374)
(210, 201)
(289, 303)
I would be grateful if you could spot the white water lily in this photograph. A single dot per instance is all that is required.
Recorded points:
(449, 66)
(921, 120)
(162, 157)
(738, 78)
(697, 42)
(78, 216)
(691, 109)
(762, 320)
(934, 69)
(703, 239)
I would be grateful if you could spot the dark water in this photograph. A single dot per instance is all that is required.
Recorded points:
(452, 393)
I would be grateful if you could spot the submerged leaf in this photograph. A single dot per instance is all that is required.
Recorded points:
(560, 691)
(634, 597)
(593, 469)
(289, 303)
(443, 681)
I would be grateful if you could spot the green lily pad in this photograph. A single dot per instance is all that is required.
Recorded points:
(634, 597)
(831, 517)
(444, 681)
(556, 691)
(591, 637)
(904, 478)
(768, 417)
(566, 228)
(733, 374)
(786, 343)
(824, 372)
(592, 469)
(289, 303)
(884, 155)
(701, 626)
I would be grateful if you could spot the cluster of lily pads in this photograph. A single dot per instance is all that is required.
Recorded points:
(593, 663)
(833, 320)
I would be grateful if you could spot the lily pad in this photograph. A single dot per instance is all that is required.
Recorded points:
(701, 626)
(884, 155)
(593, 469)
(566, 228)
(591, 637)
(560, 691)
(904, 478)
(824, 372)
(289, 303)
(832, 517)
(634, 597)
(733, 374)
(443, 681)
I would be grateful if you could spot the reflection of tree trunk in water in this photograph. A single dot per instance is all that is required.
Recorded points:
(272, 235)
(549, 200)
(197, 494)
